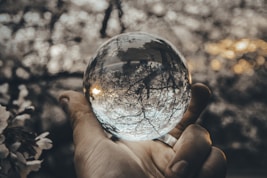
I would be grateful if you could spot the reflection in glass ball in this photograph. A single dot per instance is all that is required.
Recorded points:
(138, 86)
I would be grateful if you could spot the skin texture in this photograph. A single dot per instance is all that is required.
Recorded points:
(96, 155)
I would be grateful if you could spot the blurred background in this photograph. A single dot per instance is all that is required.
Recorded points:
(45, 47)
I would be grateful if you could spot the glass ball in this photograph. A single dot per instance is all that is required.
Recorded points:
(138, 86)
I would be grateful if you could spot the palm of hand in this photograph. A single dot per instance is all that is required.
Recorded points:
(126, 159)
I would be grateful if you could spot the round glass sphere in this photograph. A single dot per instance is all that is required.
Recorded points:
(138, 85)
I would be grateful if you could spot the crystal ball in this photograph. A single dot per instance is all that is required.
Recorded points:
(138, 86)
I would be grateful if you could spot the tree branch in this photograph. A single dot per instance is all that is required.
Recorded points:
(45, 77)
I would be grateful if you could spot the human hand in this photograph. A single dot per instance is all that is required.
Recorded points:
(98, 156)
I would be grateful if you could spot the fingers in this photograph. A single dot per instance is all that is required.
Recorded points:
(191, 150)
(199, 100)
(214, 166)
(86, 128)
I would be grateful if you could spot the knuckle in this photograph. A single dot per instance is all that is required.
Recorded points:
(201, 133)
(216, 168)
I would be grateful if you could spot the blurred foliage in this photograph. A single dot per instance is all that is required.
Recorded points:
(45, 46)
(20, 148)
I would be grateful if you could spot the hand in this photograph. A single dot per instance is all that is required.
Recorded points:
(98, 156)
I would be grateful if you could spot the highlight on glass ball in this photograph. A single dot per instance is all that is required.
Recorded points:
(138, 86)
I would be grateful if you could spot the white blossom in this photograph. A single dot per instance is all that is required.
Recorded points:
(4, 115)
(3, 151)
(19, 120)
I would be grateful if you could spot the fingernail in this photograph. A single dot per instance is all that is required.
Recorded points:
(64, 100)
(180, 167)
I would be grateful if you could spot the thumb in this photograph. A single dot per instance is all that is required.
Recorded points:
(200, 98)
(86, 128)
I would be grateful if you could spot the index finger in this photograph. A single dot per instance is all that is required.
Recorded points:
(200, 98)
(86, 128)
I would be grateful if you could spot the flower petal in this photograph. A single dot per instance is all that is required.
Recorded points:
(19, 120)
(44, 144)
(34, 165)
(42, 135)
(3, 151)
(4, 115)
(2, 138)
(15, 146)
